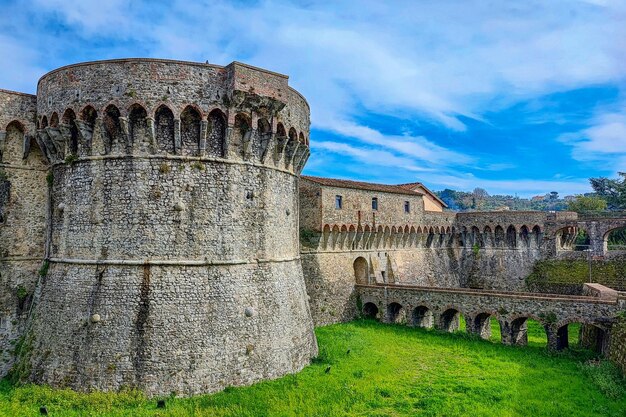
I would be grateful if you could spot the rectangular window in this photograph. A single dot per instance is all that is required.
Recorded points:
(338, 202)
(374, 203)
(407, 207)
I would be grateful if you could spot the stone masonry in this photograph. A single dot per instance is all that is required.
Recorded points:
(170, 225)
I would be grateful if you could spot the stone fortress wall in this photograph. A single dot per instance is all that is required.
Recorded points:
(23, 211)
(173, 245)
(481, 250)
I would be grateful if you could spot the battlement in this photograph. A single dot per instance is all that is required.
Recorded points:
(172, 108)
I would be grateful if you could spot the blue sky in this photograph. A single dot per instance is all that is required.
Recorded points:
(515, 97)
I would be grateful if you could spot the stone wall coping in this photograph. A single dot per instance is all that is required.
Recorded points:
(468, 291)
(167, 262)
(600, 291)
(160, 61)
(17, 93)
(503, 212)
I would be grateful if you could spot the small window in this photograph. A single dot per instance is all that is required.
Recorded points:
(374, 203)
(407, 207)
(338, 202)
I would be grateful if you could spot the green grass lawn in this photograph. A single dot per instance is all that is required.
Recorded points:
(390, 370)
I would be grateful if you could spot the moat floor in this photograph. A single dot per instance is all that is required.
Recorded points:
(370, 369)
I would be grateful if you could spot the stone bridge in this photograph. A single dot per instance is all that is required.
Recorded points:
(597, 229)
(441, 308)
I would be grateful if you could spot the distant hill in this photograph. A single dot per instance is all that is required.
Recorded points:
(480, 200)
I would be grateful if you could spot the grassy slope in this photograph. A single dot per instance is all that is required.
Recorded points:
(390, 371)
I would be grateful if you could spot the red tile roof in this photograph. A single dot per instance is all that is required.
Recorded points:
(368, 186)
(413, 185)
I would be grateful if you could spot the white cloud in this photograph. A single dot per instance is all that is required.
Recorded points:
(370, 158)
(603, 142)
(437, 60)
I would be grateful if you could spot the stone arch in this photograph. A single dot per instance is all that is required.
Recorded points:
(511, 237)
(54, 120)
(395, 313)
(499, 237)
(217, 134)
(481, 324)
(44, 122)
(335, 237)
(386, 237)
(412, 237)
(264, 133)
(477, 238)
(588, 335)
(615, 239)
(164, 129)
(113, 130)
(365, 236)
(138, 127)
(325, 236)
(69, 119)
(301, 139)
(290, 149)
(582, 241)
(343, 235)
(536, 232)
(89, 115)
(441, 237)
(370, 310)
(13, 150)
(361, 270)
(450, 320)
(280, 131)
(190, 120)
(352, 235)
(430, 238)
(515, 330)
(565, 237)
(242, 130)
(488, 236)
(405, 236)
(422, 316)
(524, 236)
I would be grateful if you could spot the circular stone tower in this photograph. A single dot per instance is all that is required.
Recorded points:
(173, 242)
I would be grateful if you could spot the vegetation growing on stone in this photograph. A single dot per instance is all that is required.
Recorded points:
(552, 273)
(71, 158)
(43, 271)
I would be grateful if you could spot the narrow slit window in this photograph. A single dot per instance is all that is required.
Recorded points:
(407, 207)
(338, 202)
(374, 203)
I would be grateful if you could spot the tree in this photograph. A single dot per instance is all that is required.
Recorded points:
(613, 191)
(587, 203)
(480, 193)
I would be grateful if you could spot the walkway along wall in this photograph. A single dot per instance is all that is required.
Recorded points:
(441, 308)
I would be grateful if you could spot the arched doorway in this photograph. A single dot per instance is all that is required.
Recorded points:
(450, 320)
(395, 313)
(422, 317)
(361, 274)
(370, 310)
